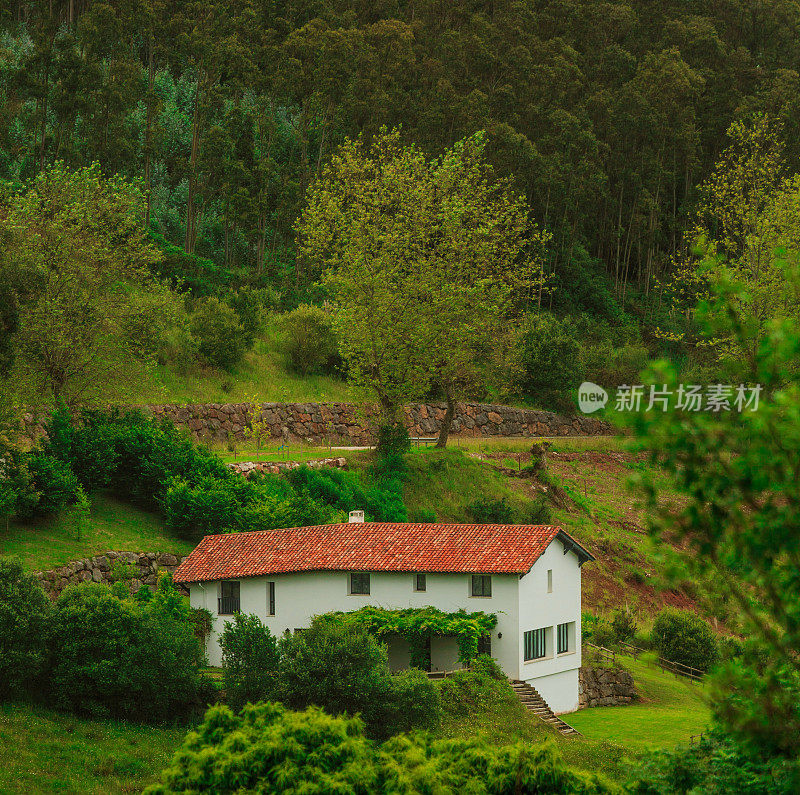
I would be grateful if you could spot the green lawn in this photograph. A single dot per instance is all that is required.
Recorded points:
(447, 481)
(43, 752)
(671, 709)
(113, 525)
(262, 375)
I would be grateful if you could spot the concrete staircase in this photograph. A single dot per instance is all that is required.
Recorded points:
(535, 704)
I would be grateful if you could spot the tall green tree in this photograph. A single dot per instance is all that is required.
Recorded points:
(77, 260)
(426, 262)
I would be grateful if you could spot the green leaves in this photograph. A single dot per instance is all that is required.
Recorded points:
(420, 624)
(426, 262)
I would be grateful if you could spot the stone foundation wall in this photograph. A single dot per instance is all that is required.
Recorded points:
(144, 566)
(604, 687)
(351, 424)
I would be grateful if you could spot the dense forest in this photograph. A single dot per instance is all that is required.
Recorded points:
(607, 117)
(608, 114)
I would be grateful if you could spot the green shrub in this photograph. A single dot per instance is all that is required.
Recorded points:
(393, 440)
(249, 661)
(730, 648)
(42, 483)
(115, 657)
(222, 339)
(210, 505)
(423, 516)
(268, 749)
(382, 502)
(539, 512)
(309, 343)
(248, 305)
(683, 637)
(475, 689)
(551, 361)
(339, 668)
(24, 617)
(623, 625)
(411, 701)
(490, 510)
(486, 665)
(138, 457)
(213, 506)
(716, 764)
(55, 484)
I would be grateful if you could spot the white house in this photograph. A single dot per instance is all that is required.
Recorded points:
(529, 576)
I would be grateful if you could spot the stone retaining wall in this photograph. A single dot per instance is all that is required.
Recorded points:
(144, 566)
(604, 687)
(351, 424)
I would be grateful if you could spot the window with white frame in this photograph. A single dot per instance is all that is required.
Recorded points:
(359, 583)
(535, 643)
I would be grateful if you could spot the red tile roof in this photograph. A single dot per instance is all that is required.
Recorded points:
(373, 546)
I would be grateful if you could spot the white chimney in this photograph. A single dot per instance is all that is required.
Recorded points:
(356, 517)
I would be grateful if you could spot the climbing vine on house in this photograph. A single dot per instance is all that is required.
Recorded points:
(419, 625)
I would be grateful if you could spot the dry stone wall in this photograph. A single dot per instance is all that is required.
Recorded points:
(352, 424)
(604, 687)
(246, 468)
(143, 568)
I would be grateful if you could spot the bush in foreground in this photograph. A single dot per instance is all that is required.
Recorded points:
(339, 668)
(24, 612)
(122, 657)
(269, 749)
(249, 661)
(718, 764)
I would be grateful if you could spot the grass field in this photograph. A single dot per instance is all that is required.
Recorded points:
(670, 710)
(45, 752)
(113, 525)
(262, 375)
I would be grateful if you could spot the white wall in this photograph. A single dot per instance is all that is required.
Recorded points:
(556, 675)
(559, 690)
(300, 596)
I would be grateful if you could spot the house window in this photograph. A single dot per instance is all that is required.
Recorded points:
(359, 583)
(228, 602)
(485, 645)
(420, 582)
(481, 585)
(535, 644)
(270, 598)
(549, 581)
(562, 636)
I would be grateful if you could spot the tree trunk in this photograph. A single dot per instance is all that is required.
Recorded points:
(148, 132)
(447, 422)
(191, 210)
